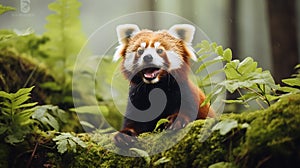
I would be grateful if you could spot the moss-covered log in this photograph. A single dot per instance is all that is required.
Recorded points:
(18, 71)
(270, 139)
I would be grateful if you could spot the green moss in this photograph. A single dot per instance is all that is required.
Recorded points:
(271, 140)
(18, 71)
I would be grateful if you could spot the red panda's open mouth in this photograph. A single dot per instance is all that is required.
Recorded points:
(150, 75)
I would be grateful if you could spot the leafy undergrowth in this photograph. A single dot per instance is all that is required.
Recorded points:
(265, 138)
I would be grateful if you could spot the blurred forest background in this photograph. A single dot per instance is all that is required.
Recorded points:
(39, 45)
(266, 30)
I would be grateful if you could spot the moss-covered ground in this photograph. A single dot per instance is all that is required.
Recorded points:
(272, 139)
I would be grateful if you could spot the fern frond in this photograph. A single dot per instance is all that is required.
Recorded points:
(16, 114)
(64, 30)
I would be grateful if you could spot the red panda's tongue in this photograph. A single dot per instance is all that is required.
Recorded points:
(151, 73)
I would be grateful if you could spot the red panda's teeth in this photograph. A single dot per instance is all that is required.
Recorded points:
(151, 74)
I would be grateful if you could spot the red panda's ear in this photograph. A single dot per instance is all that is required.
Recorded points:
(186, 33)
(124, 32)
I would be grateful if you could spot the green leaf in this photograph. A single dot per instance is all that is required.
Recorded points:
(219, 50)
(72, 145)
(25, 114)
(51, 86)
(288, 89)
(213, 45)
(214, 93)
(68, 142)
(227, 55)
(204, 44)
(161, 161)
(208, 63)
(205, 47)
(8, 105)
(230, 85)
(245, 125)
(26, 105)
(247, 65)
(248, 96)
(292, 81)
(49, 115)
(233, 101)
(264, 77)
(4, 9)
(203, 57)
(143, 154)
(14, 138)
(230, 70)
(5, 95)
(17, 101)
(272, 97)
(87, 124)
(225, 126)
(160, 123)
(39, 113)
(79, 142)
(207, 80)
(49, 119)
(223, 165)
(62, 146)
(23, 91)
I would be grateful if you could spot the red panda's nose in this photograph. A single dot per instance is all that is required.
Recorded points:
(148, 58)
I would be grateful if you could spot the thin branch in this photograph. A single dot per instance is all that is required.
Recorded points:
(32, 155)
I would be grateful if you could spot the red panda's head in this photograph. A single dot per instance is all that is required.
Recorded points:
(151, 55)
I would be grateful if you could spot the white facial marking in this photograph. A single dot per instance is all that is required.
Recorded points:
(117, 54)
(157, 60)
(152, 81)
(156, 44)
(146, 81)
(174, 59)
(155, 80)
(128, 62)
(191, 53)
(143, 44)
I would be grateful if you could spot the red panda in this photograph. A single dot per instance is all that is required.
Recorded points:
(158, 59)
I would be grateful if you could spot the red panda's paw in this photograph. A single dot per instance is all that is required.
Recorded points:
(125, 138)
(177, 121)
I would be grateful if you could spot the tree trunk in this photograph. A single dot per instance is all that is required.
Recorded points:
(233, 28)
(283, 33)
(233, 31)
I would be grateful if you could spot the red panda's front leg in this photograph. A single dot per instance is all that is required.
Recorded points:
(177, 121)
(125, 138)
(193, 98)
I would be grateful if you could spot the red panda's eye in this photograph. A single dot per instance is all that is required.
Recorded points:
(140, 51)
(159, 51)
